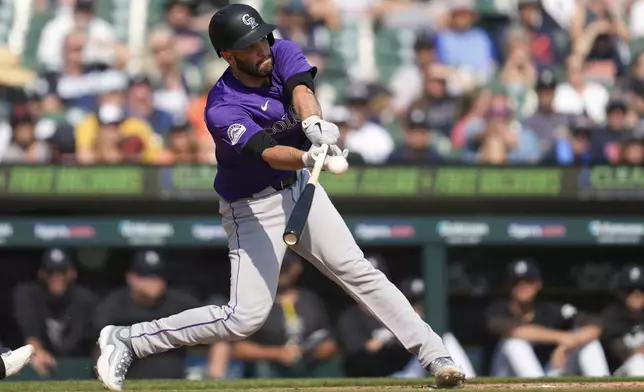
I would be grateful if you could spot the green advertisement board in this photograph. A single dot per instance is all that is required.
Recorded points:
(412, 183)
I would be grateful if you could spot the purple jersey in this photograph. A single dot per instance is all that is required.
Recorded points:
(234, 113)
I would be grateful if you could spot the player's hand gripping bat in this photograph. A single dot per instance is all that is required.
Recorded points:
(300, 213)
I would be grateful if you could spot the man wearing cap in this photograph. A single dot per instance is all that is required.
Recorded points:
(606, 140)
(574, 146)
(140, 104)
(545, 122)
(80, 17)
(180, 17)
(55, 314)
(365, 137)
(146, 298)
(416, 147)
(623, 334)
(536, 338)
(478, 59)
(296, 339)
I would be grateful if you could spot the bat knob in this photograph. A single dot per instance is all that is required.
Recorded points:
(291, 238)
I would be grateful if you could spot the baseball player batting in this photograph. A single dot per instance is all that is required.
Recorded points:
(268, 129)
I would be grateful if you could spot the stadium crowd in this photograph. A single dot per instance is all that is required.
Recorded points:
(407, 81)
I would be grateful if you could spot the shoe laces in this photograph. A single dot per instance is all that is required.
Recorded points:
(124, 363)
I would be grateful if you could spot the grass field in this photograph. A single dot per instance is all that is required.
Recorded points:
(337, 385)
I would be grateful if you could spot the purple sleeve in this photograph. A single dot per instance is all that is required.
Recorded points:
(233, 125)
(289, 60)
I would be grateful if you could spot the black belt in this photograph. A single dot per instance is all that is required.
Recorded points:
(285, 183)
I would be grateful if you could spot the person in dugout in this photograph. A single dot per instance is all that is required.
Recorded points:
(537, 338)
(623, 334)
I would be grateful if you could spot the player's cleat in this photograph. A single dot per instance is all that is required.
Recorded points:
(14, 361)
(447, 373)
(116, 356)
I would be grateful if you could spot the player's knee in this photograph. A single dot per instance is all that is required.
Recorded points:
(244, 323)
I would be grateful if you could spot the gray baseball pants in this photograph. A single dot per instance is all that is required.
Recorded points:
(255, 227)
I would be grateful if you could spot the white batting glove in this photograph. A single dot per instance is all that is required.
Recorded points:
(311, 156)
(335, 151)
(320, 131)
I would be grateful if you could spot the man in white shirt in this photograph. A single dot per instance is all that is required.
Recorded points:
(578, 96)
(101, 36)
(365, 136)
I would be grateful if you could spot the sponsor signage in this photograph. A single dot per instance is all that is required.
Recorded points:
(462, 232)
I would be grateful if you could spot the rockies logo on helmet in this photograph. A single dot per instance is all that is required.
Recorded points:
(238, 26)
(249, 21)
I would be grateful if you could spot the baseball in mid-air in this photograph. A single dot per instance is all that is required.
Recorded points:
(338, 165)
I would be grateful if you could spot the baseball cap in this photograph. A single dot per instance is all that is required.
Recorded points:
(581, 124)
(546, 80)
(523, 269)
(378, 262)
(424, 41)
(85, 5)
(56, 260)
(148, 263)
(417, 118)
(630, 277)
(338, 114)
(20, 115)
(357, 93)
(617, 102)
(462, 5)
(413, 289)
(139, 79)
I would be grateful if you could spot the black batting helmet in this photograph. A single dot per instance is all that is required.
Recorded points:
(238, 26)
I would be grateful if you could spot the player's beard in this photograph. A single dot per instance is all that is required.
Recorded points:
(256, 69)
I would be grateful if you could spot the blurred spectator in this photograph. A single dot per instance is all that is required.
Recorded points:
(365, 137)
(579, 96)
(340, 116)
(631, 150)
(190, 44)
(181, 145)
(530, 332)
(636, 98)
(601, 43)
(101, 37)
(370, 349)
(406, 84)
(546, 123)
(544, 35)
(635, 19)
(294, 24)
(24, 146)
(147, 298)
(52, 125)
(573, 146)
(110, 137)
(623, 332)
(472, 108)
(518, 74)
(55, 314)
(478, 59)
(417, 146)
(500, 138)
(607, 138)
(140, 104)
(174, 82)
(440, 106)
(296, 338)
(77, 83)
